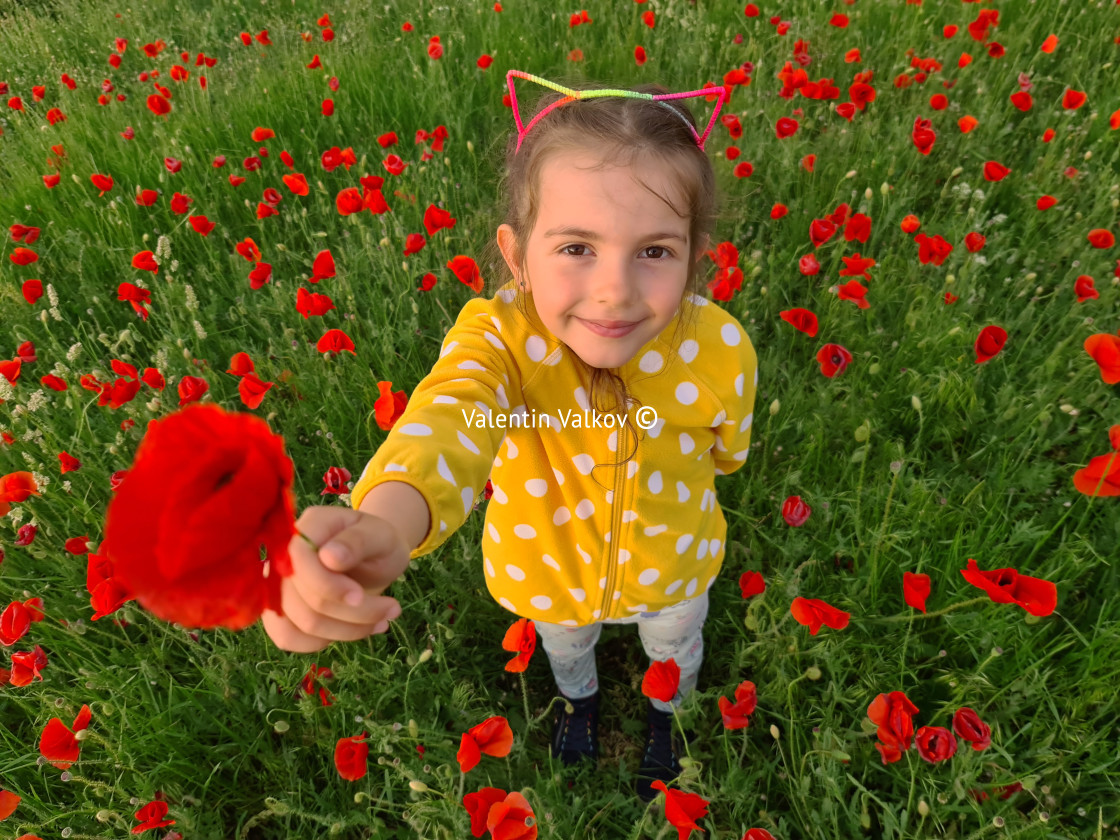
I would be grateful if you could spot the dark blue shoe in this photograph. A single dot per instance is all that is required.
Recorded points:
(660, 758)
(575, 734)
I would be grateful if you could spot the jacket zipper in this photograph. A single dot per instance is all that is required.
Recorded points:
(612, 551)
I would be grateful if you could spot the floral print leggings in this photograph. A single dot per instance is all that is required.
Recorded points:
(672, 633)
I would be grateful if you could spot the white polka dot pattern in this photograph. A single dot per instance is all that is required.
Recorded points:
(563, 541)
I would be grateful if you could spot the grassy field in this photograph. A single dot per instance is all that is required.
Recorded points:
(915, 458)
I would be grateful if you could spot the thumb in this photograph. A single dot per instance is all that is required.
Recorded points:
(334, 531)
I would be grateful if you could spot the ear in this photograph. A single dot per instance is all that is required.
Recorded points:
(507, 243)
(702, 246)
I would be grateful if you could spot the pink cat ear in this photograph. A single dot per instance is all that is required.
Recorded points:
(522, 129)
(719, 92)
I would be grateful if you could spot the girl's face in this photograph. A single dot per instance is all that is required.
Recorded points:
(607, 259)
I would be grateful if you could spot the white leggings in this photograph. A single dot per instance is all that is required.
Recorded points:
(672, 633)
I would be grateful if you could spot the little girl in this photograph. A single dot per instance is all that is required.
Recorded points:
(599, 393)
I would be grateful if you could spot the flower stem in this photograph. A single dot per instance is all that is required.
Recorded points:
(910, 616)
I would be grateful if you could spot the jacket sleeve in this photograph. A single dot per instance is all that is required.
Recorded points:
(735, 383)
(443, 444)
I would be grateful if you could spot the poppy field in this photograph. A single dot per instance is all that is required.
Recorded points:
(279, 209)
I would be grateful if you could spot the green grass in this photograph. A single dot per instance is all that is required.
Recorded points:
(983, 469)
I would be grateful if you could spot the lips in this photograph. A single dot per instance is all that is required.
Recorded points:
(609, 329)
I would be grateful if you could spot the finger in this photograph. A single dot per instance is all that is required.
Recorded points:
(287, 636)
(343, 535)
(324, 590)
(372, 617)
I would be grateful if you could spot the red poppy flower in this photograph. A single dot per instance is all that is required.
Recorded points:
(1100, 478)
(751, 584)
(297, 183)
(661, 680)
(1048, 135)
(202, 225)
(1022, 100)
(1073, 99)
(68, 462)
(857, 227)
(493, 736)
(512, 819)
(145, 261)
(935, 743)
(335, 479)
(808, 265)
(1006, 586)
(915, 589)
(995, 171)
(1084, 289)
(744, 169)
(1050, 44)
(1104, 350)
(857, 266)
(860, 94)
(762, 833)
(813, 613)
(795, 512)
(682, 809)
(974, 241)
(785, 127)
(58, 742)
(26, 535)
(1046, 202)
(520, 638)
(969, 727)
(466, 269)
(23, 256)
(478, 806)
(1098, 238)
(323, 268)
(32, 290)
(893, 714)
(414, 243)
(389, 407)
(248, 249)
(16, 487)
(202, 566)
(933, 249)
(427, 282)
(394, 165)
(9, 801)
(801, 319)
(103, 182)
(736, 715)
(146, 198)
(312, 303)
(348, 201)
(834, 359)
(152, 815)
(820, 231)
(351, 757)
(989, 343)
(436, 219)
(335, 341)
(910, 223)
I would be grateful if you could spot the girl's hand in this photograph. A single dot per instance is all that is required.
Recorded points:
(335, 594)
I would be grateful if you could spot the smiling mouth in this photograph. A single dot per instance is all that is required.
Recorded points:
(609, 329)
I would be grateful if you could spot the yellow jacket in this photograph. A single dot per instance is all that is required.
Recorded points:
(562, 544)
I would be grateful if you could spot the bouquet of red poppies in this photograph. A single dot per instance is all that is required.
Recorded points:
(198, 530)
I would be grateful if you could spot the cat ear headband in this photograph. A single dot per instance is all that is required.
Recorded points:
(570, 95)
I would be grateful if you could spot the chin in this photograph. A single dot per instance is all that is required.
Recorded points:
(599, 359)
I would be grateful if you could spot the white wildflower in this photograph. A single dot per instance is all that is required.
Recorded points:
(192, 301)
(74, 352)
(198, 330)
(52, 295)
(7, 392)
(36, 401)
(163, 248)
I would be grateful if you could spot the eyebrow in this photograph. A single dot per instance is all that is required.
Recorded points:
(581, 233)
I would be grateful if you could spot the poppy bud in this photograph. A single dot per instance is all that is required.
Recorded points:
(774, 733)
(916, 402)
(774, 407)
(418, 786)
(425, 655)
(884, 188)
(923, 808)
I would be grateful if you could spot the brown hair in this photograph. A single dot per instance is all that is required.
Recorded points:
(622, 132)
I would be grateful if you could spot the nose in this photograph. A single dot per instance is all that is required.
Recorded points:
(615, 284)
